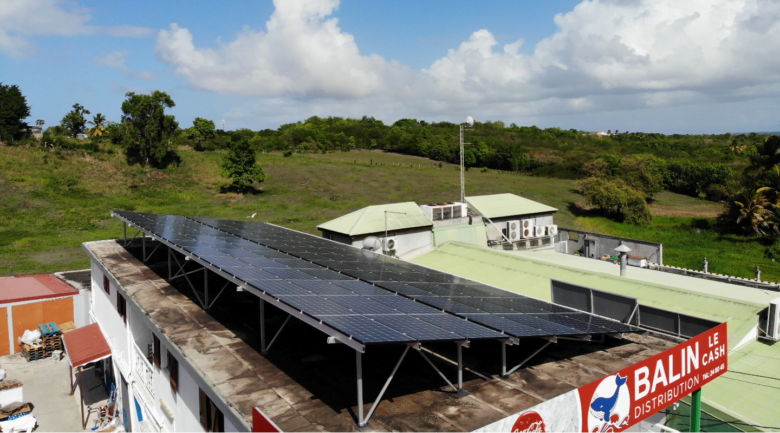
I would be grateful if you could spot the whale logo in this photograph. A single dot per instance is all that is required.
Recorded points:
(605, 405)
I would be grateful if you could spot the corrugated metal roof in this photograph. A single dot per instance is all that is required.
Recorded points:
(504, 205)
(371, 219)
(531, 277)
(750, 390)
(473, 234)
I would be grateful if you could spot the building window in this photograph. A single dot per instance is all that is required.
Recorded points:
(173, 369)
(156, 351)
(121, 306)
(106, 285)
(210, 417)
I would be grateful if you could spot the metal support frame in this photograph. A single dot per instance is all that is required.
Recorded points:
(144, 256)
(192, 286)
(363, 422)
(438, 371)
(134, 236)
(263, 348)
(504, 372)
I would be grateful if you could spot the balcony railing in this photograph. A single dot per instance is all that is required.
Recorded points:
(143, 368)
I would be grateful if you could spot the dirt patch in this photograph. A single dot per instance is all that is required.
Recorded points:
(708, 210)
(58, 255)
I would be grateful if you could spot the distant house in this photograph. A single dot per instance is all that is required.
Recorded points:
(35, 131)
(81, 136)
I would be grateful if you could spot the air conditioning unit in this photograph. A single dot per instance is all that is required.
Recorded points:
(527, 229)
(773, 321)
(513, 230)
(552, 230)
(539, 231)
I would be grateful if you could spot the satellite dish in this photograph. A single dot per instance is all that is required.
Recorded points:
(372, 243)
(469, 121)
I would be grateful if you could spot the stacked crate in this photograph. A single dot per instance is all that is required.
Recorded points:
(51, 337)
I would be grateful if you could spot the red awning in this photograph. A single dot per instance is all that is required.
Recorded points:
(85, 345)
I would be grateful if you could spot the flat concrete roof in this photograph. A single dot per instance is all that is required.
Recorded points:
(305, 384)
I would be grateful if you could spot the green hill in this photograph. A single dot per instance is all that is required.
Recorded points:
(52, 201)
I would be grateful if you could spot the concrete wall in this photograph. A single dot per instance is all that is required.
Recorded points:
(405, 242)
(494, 232)
(129, 346)
(595, 245)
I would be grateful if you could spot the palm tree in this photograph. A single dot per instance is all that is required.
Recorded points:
(767, 156)
(99, 125)
(756, 212)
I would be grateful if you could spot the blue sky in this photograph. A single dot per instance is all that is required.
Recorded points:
(657, 66)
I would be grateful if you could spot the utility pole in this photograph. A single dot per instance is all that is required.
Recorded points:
(465, 125)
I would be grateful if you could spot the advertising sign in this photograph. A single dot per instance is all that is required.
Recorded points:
(619, 401)
(261, 422)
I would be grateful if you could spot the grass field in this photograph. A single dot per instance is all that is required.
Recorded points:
(52, 202)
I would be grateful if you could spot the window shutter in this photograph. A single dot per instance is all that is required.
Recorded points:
(106, 285)
(173, 369)
(204, 408)
(156, 355)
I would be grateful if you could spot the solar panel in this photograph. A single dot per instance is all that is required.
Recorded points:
(320, 277)
(363, 289)
(416, 328)
(460, 326)
(405, 305)
(362, 305)
(366, 330)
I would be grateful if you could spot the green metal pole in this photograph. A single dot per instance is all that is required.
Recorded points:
(696, 410)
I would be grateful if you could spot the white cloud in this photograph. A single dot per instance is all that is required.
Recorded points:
(300, 54)
(117, 60)
(19, 19)
(606, 55)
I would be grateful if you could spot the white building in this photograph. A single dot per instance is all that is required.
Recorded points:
(156, 391)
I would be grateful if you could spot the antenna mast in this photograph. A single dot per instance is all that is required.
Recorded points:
(465, 125)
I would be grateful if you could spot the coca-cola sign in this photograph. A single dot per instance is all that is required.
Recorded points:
(529, 421)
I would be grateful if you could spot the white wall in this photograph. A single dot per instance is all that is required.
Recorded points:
(81, 307)
(405, 242)
(123, 339)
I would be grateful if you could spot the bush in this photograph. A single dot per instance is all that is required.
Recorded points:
(616, 199)
(288, 153)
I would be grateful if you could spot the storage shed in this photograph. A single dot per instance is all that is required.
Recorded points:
(29, 300)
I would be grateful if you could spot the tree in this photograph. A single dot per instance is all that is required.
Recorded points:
(617, 199)
(240, 166)
(637, 172)
(202, 130)
(13, 111)
(99, 125)
(40, 122)
(74, 122)
(755, 211)
(148, 134)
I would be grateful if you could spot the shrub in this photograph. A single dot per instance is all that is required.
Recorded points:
(616, 199)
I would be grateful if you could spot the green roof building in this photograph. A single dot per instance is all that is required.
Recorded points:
(747, 395)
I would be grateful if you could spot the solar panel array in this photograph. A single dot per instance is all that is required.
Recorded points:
(504, 311)
(370, 297)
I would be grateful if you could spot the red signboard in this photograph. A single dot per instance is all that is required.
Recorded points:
(637, 392)
(261, 423)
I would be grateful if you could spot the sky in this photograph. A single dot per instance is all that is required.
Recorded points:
(669, 66)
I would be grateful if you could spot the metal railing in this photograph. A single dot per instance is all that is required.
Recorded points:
(144, 370)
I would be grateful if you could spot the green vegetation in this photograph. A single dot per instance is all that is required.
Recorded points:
(146, 132)
(240, 166)
(75, 122)
(53, 200)
(13, 111)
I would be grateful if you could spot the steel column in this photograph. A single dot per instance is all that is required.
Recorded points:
(359, 361)
(169, 264)
(125, 227)
(460, 391)
(262, 326)
(503, 359)
(205, 287)
(143, 246)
